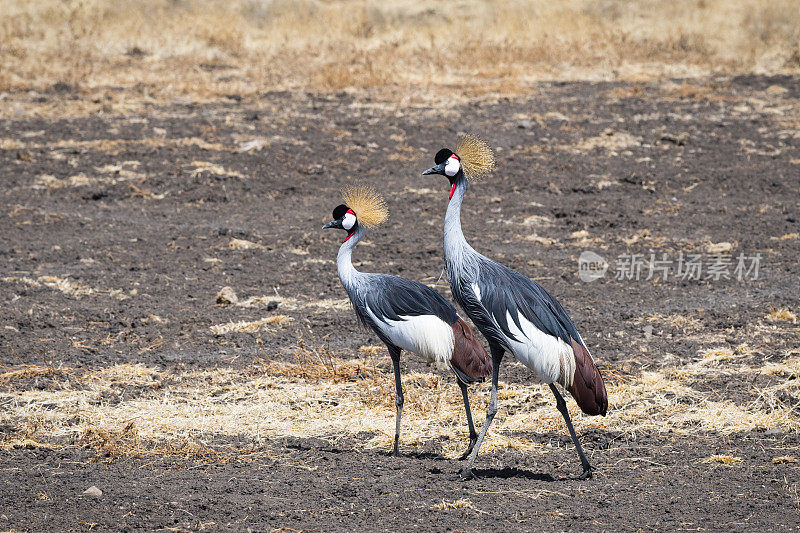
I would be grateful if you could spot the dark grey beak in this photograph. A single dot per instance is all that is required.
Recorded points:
(438, 169)
(333, 224)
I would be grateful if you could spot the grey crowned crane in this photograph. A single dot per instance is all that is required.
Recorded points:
(405, 314)
(515, 314)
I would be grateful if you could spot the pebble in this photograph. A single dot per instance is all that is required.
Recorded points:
(226, 296)
(719, 248)
(776, 89)
(679, 139)
(93, 491)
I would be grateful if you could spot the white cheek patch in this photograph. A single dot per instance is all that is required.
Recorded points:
(349, 221)
(452, 167)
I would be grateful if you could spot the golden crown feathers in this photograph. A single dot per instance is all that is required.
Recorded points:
(368, 205)
(477, 158)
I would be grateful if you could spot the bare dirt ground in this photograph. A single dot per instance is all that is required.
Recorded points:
(274, 411)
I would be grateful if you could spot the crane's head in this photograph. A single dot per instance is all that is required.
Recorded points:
(362, 205)
(343, 218)
(448, 164)
(474, 159)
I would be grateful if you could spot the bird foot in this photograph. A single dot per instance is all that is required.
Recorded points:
(464, 475)
(395, 447)
(587, 474)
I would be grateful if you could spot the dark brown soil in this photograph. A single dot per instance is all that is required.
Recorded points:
(649, 483)
(711, 161)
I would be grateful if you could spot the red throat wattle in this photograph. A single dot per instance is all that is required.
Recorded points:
(348, 236)
(452, 190)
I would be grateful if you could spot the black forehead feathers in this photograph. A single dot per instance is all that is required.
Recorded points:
(339, 211)
(443, 155)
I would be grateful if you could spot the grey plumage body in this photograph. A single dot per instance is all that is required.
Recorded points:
(384, 296)
(519, 317)
(498, 299)
(407, 315)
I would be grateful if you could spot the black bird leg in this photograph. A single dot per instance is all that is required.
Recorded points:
(497, 356)
(394, 353)
(562, 406)
(473, 435)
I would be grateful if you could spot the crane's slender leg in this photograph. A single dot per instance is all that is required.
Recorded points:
(562, 406)
(497, 356)
(473, 435)
(394, 352)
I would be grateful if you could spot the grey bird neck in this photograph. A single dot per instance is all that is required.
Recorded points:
(458, 254)
(348, 274)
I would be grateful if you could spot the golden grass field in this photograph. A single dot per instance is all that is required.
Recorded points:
(243, 47)
(318, 394)
(162, 156)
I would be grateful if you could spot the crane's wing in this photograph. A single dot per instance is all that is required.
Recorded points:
(414, 317)
(505, 293)
(393, 298)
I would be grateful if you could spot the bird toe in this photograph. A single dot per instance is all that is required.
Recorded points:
(464, 475)
(587, 474)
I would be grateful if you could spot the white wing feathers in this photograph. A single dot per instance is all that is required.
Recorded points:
(550, 357)
(426, 335)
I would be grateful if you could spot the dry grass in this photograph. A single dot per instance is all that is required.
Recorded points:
(726, 460)
(211, 47)
(245, 326)
(782, 315)
(447, 505)
(136, 409)
(789, 368)
(371, 349)
(29, 371)
(72, 288)
(311, 362)
(609, 140)
(212, 168)
(125, 442)
(682, 322)
(296, 304)
(228, 297)
(114, 146)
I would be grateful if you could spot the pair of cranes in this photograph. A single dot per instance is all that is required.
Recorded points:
(515, 314)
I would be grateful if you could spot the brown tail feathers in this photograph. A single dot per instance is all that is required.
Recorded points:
(587, 386)
(470, 361)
